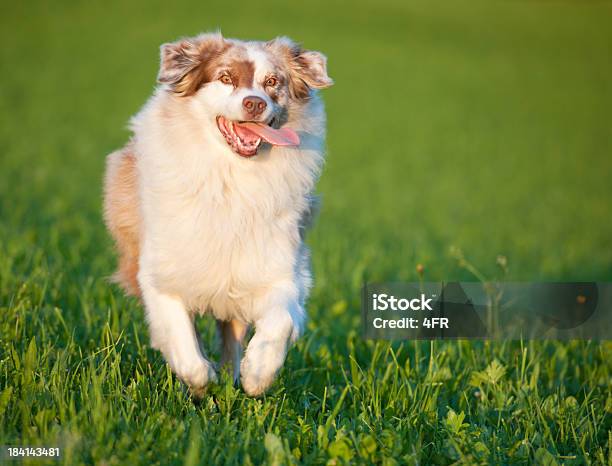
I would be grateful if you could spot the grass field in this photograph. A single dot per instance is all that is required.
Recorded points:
(486, 126)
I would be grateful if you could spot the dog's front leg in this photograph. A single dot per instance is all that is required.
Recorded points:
(173, 333)
(279, 322)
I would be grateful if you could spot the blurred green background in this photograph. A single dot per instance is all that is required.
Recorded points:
(480, 125)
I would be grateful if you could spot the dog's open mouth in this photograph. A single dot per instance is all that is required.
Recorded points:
(245, 137)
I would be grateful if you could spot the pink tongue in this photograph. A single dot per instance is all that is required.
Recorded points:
(277, 137)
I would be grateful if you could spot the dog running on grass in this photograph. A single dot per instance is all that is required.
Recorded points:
(209, 200)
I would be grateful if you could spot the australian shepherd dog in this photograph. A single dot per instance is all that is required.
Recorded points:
(209, 200)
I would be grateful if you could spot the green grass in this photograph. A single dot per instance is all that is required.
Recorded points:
(480, 125)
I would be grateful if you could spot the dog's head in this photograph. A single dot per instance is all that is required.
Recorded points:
(249, 89)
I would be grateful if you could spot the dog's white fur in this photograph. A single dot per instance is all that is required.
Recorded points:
(219, 233)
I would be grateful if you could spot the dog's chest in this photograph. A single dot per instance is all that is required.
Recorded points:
(221, 238)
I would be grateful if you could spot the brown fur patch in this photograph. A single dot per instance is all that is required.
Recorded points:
(242, 73)
(233, 60)
(189, 64)
(202, 73)
(122, 214)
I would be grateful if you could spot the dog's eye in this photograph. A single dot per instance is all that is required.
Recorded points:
(271, 81)
(226, 79)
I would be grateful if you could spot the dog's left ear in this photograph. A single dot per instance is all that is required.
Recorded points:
(307, 68)
(181, 61)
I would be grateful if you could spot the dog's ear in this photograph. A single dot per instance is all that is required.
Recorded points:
(182, 62)
(307, 68)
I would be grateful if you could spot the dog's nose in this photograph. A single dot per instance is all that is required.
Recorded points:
(253, 105)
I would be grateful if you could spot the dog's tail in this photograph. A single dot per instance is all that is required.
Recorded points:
(122, 215)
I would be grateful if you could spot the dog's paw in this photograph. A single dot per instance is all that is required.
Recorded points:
(261, 364)
(254, 377)
(197, 376)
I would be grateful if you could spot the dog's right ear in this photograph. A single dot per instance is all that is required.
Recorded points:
(182, 61)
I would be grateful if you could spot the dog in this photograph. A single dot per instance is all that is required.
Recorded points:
(209, 201)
